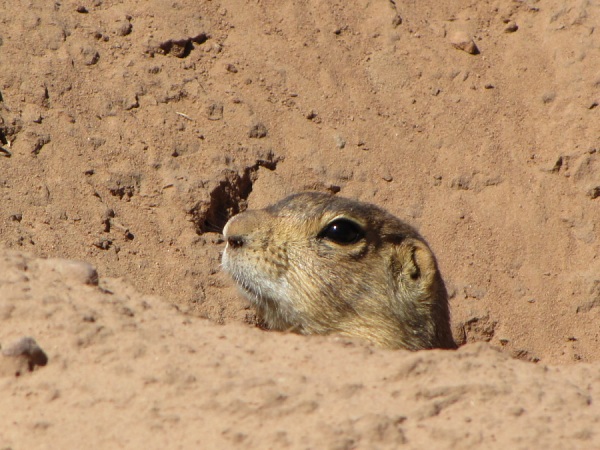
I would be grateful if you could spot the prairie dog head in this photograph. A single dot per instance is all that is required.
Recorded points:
(317, 264)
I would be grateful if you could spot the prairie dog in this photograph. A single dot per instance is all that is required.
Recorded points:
(315, 263)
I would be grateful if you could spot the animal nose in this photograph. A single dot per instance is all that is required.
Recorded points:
(235, 241)
(241, 229)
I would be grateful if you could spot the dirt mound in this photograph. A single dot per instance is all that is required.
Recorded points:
(144, 375)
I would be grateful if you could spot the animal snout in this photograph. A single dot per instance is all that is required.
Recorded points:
(241, 229)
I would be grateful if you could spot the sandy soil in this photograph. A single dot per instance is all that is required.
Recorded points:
(131, 131)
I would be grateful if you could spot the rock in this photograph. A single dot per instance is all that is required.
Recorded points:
(179, 48)
(70, 271)
(103, 244)
(124, 28)
(258, 131)
(25, 354)
(387, 177)
(462, 41)
(89, 55)
(214, 111)
(340, 142)
(548, 97)
(510, 27)
(463, 182)
(35, 142)
(593, 300)
(130, 102)
(556, 167)
(524, 355)
(314, 116)
(478, 328)
(124, 185)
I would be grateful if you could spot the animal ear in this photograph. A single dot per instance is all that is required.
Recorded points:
(421, 293)
(414, 266)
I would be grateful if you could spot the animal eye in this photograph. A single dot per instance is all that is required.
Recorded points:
(342, 231)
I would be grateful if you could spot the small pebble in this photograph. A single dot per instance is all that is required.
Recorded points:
(340, 142)
(548, 97)
(594, 192)
(462, 41)
(311, 115)
(79, 272)
(27, 348)
(103, 244)
(516, 411)
(511, 27)
(39, 142)
(258, 131)
(89, 55)
(124, 29)
(214, 111)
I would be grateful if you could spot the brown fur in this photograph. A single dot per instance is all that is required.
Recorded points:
(385, 288)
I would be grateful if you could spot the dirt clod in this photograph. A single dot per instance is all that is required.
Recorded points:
(462, 41)
(258, 131)
(26, 352)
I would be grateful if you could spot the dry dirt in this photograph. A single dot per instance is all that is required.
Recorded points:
(131, 131)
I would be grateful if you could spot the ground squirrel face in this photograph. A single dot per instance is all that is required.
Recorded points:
(317, 264)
